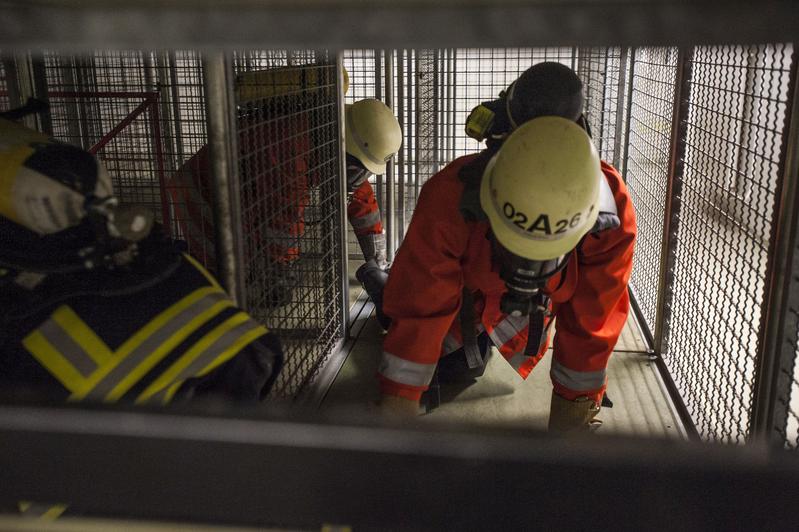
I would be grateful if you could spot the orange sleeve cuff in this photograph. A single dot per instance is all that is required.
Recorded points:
(571, 395)
(389, 387)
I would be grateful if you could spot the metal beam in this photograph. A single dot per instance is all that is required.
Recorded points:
(224, 172)
(679, 129)
(301, 474)
(774, 378)
(85, 25)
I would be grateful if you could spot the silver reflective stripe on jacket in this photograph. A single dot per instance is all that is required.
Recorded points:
(404, 371)
(452, 344)
(577, 380)
(508, 328)
(367, 220)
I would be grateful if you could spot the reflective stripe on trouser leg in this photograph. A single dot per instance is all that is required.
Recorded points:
(404, 371)
(577, 381)
(366, 220)
(373, 246)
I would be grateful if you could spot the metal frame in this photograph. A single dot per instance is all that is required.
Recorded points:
(343, 24)
(388, 212)
(372, 477)
(342, 168)
(224, 171)
(773, 389)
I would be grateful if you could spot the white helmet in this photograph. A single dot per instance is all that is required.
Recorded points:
(540, 191)
(373, 134)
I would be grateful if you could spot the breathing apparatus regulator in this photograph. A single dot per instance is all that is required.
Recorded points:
(545, 89)
(58, 213)
(540, 193)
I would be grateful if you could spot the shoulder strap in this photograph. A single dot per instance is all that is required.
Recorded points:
(471, 174)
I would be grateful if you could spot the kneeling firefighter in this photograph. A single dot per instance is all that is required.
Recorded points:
(97, 303)
(501, 243)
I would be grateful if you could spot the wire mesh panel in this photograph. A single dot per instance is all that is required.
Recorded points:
(4, 103)
(366, 79)
(104, 104)
(290, 201)
(734, 131)
(481, 74)
(646, 166)
(600, 70)
(143, 115)
(787, 428)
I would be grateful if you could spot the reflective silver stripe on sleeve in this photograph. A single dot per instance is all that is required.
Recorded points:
(509, 327)
(367, 220)
(404, 371)
(76, 355)
(577, 380)
(206, 357)
(178, 324)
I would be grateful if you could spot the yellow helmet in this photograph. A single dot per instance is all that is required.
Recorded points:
(346, 76)
(44, 184)
(540, 191)
(373, 134)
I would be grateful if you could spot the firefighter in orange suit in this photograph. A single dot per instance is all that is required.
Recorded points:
(503, 242)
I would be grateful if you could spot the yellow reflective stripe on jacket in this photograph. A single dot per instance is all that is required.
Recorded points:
(70, 350)
(53, 361)
(82, 335)
(106, 375)
(210, 278)
(138, 360)
(45, 512)
(240, 343)
(204, 352)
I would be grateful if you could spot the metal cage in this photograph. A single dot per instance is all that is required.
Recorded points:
(288, 159)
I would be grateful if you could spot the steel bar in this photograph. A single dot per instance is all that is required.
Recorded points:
(223, 171)
(778, 324)
(303, 473)
(341, 24)
(620, 101)
(388, 215)
(342, 193)
(403, 168)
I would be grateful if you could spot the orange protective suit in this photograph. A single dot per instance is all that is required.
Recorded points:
(442, 253)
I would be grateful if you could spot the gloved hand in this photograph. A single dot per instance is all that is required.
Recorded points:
(373, 278)
(573, 416)
(395, 407)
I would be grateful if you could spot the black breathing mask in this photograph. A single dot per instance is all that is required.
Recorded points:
(524, 279)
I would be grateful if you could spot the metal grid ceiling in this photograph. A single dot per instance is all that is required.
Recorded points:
(287, 128)
(735, 121)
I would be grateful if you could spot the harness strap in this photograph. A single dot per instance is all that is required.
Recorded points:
(469, 332)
